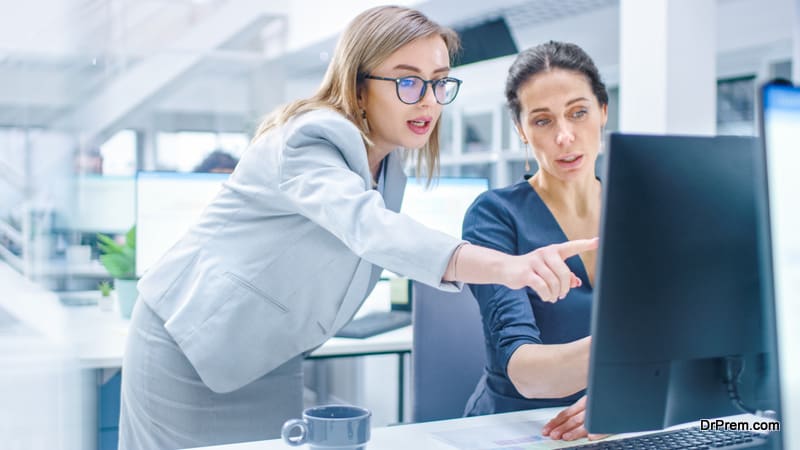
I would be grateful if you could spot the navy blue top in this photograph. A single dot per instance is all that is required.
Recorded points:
(515, 220)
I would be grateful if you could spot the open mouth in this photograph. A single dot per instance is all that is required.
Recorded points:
(419, 126)
(570, 160)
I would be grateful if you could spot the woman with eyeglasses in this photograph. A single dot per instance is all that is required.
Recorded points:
(297, 238)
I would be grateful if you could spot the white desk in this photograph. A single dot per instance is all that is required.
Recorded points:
(421, 436)
(433, 435)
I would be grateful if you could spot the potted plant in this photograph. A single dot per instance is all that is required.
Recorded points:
(120, 261)
(105, 296)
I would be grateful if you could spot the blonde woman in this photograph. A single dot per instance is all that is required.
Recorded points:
(295, 241)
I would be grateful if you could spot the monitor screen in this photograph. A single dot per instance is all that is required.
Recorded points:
(103, 204)
(677, 287)
(167, 204)
(780, 129)
(443, 205)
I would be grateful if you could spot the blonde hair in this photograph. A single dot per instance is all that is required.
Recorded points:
(367, 42)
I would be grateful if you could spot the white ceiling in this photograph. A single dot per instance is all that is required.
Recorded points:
(63, 61)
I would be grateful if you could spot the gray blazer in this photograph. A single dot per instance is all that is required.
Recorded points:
(287, 251)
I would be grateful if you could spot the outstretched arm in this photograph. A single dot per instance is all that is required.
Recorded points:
(543, 269)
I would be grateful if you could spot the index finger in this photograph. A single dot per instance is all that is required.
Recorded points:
(595, 437)
(566, 413)
(572, 248)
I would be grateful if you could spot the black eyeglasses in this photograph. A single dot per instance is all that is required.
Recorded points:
(411, 89)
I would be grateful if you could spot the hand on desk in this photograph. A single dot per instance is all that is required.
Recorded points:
(568, 424)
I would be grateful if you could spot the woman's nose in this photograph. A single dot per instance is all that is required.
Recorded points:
(565, 135)
(428, 98)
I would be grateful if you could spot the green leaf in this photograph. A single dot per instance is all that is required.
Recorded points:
(108, 245)
(105, 288)
(130, 238)
(119, 260)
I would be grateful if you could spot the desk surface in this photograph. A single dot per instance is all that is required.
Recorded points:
(521, 430)
(430, 435)
(97, 338)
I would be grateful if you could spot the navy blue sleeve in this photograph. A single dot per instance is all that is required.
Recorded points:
(508, 318)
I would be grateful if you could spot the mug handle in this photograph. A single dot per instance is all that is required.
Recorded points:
(287, 428)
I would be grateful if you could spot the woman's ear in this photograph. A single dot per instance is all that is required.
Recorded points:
(604, 110)
(361, 103)
(520, 133)
(361, 94)
(524, 140)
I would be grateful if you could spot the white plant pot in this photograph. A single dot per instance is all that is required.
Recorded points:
(126, 296)
(106, 303)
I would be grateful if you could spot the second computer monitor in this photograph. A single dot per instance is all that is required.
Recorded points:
(442, 205)
(780, 128)
(677, 284)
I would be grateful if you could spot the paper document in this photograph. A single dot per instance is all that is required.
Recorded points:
(510, 436)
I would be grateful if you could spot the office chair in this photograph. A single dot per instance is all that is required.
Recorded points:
(448, 355)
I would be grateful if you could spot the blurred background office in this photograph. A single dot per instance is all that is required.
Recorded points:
(94, 91)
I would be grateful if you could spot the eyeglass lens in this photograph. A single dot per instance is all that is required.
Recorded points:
(410, 89)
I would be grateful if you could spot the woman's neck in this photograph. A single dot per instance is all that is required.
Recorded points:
(375, 156)
(579, 197)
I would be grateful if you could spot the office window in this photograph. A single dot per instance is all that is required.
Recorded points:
(470, 170)
(478, 132)
(781, 69)
(612, 123)
(446, 143)
(507, 132)
(185, 150)
(118, 154)
(736, 106)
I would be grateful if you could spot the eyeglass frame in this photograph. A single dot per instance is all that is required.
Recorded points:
(424, 90)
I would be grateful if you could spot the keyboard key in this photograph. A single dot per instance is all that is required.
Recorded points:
(684, 438)
(375, 323)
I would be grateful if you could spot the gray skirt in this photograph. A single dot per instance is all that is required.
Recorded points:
(165, 405)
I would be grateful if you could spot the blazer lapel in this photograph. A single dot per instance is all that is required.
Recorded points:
(394, 188)
(394, 181)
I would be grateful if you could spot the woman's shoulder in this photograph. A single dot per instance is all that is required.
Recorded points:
(322, 124)
(320, 116)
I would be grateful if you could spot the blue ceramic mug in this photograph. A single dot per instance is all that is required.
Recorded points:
(330, 427)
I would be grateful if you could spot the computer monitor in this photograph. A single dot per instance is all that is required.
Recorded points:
(780, 239)
(103, 203)
(440, 206)
(167, 204)
(677, 287)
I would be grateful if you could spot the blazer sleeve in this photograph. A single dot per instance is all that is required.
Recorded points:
(507, 313)
(318, 179)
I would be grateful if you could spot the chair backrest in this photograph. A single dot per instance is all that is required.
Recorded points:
(448, 355)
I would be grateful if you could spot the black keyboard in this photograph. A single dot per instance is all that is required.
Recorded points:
(684, 438)
(375, 323)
